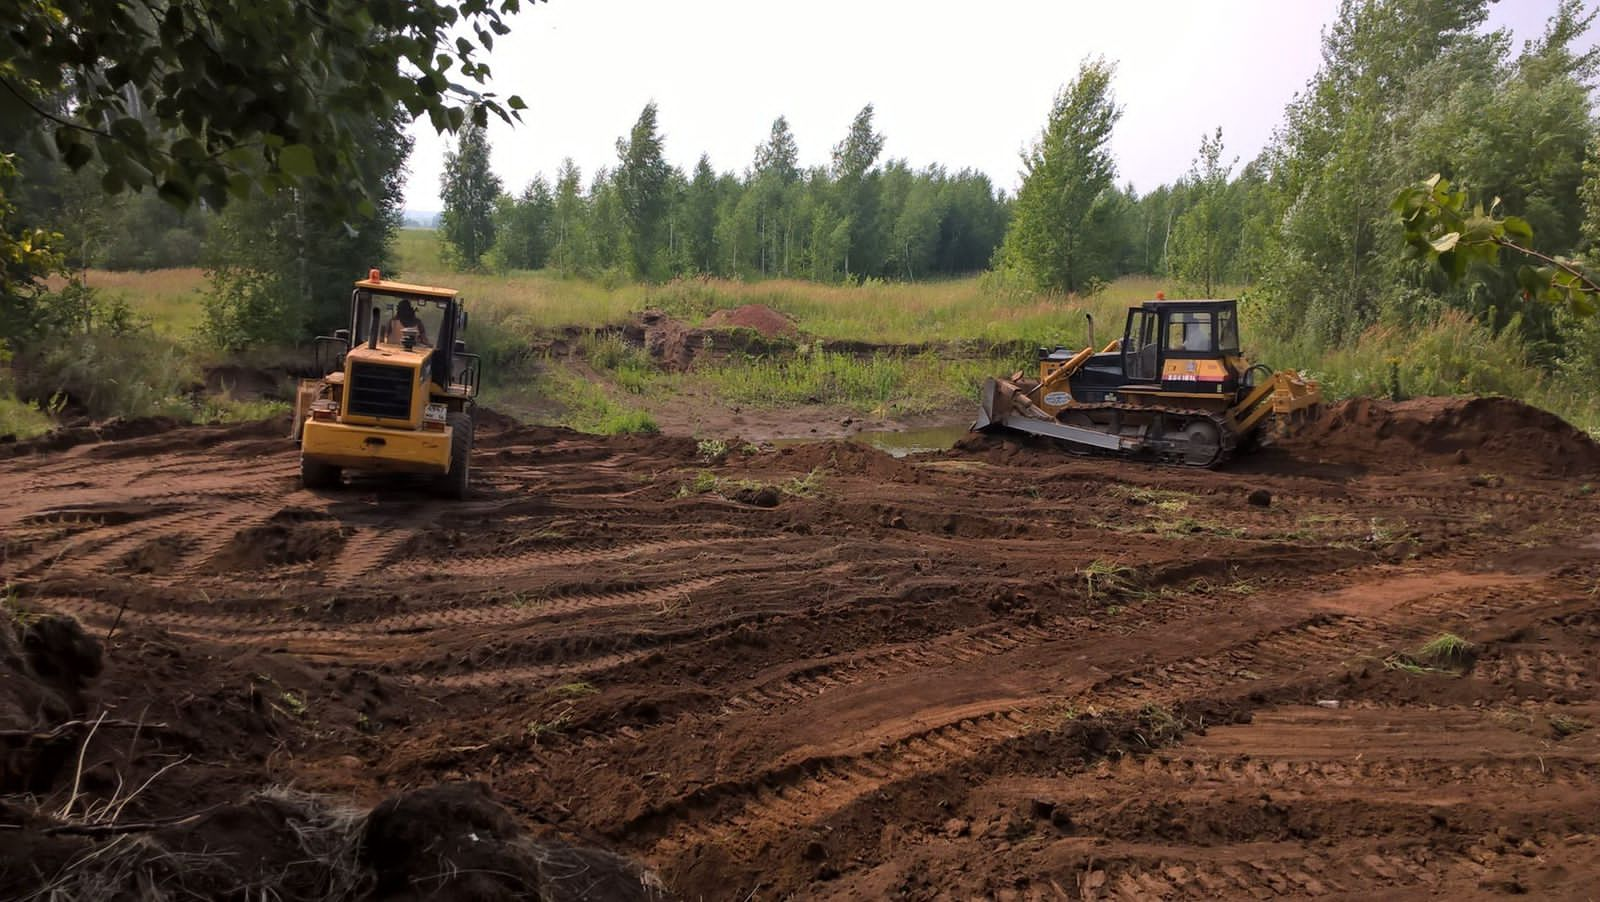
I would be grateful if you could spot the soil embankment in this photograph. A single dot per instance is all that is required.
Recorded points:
(994, 671)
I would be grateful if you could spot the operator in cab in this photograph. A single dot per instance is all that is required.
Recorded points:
(405, 317)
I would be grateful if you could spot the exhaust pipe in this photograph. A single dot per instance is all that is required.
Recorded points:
(1090, 318)
(372, 335)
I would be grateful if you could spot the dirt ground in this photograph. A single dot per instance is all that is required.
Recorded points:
(999, 671)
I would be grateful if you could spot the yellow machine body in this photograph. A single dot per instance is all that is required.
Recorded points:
(1175, 386)
(392, 402)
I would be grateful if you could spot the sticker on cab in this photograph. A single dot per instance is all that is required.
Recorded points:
(1058, 399)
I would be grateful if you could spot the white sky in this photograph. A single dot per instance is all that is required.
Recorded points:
(958, 83)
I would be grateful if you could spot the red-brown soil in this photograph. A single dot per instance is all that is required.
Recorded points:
(999, 671)
(756, 317)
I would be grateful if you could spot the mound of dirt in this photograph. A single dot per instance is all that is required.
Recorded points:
(112, 430)
(291, 536)
(670, 343)
(755, 317)
(46, 664)
(454, 841)
(1493, 433)
(446, 842)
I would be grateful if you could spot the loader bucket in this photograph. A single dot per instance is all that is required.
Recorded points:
(305, 392)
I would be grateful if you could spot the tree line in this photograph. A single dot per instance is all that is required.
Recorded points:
(1406, 88)
(858, 217)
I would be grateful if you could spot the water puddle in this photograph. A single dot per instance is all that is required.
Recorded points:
(898, 442)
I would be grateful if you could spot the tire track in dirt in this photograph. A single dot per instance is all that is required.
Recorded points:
(811, 680)
(365, 551)
(1261, 870)
(518, 562)
(813, 788)
(1272, 867)
(1554, 670)
(1176, 772)
(797, 794)
(566, 670)
(89, 551)
(255, 629)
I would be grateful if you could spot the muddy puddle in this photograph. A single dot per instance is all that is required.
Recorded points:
(898, 442)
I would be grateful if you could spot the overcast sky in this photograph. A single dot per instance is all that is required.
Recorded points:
(964, 84)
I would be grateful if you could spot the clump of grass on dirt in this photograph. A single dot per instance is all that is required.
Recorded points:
(1444, 653)
(1163, 500)
(1102, 578)
(706, 482)
(1447, 651)
(711, 450)
(222, 410)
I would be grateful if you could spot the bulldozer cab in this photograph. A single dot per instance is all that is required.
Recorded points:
(1164, 339)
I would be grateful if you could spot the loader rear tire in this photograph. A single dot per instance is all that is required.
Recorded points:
(314, 474)
(453, 484)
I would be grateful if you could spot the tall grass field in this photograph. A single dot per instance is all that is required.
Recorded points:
(963, 320)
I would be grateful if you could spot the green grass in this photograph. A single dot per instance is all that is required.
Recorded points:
(21, 419)
(1102, 577)
(1454, 355)
(418, 251)
(985, 325)
(588, 408)
(880, 384)
(1447, 651)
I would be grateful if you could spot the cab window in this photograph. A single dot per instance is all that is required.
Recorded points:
(426, 315)
(1190, 332)
(1227, 330)
(1141, 357)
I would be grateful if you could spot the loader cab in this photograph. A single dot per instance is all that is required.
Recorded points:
(1189, 347)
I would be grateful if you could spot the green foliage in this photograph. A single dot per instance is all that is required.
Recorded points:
(470, 192)
(1204, 235)
(643, 182)
(105, 373)
(854, 221)
(628, 365)
(523, 228)
(279, 266)
(1440, 228)
(1065, 172)
(275, 97)
(27, 256)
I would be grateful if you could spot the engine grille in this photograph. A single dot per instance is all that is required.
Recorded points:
(378, 390)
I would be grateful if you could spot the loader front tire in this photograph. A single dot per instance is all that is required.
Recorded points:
(314, 474)
(453, 484)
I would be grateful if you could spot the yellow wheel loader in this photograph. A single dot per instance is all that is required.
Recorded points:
(398, 391)
(1174, 388)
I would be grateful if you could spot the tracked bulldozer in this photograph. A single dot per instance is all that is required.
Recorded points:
(397, 390)
(1174, 388)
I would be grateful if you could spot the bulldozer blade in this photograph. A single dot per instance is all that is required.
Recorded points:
(993, 404)
(1004, 405)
